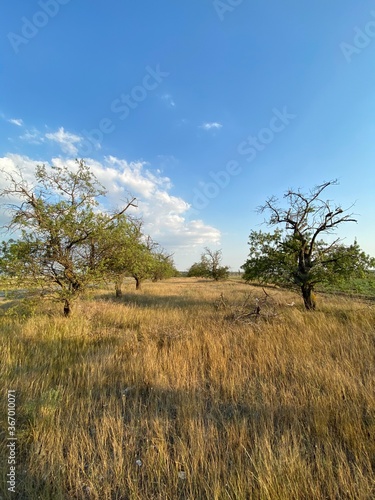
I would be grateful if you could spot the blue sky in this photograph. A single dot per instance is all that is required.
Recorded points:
(200, 108)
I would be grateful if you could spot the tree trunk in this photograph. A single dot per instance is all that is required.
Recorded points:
(137, 283)
(308, 296)
(67, 309)
(118, 288)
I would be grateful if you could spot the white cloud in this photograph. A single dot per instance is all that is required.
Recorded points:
(32, 136)
(211, 125)
(168, 99)
(9, 164)
(167, 162)
(66, 140)
(165, 216)
(16, 121)
(13, 162)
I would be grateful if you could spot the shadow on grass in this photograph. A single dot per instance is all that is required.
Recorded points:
(214, 417)
(20, 307)
(144, 300)
(141, 406)
(6, 305)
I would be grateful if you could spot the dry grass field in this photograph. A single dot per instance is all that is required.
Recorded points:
(162, 395)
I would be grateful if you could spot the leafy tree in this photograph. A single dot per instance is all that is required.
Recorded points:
(197, 270)
(163, 267)
(296, 255)
(131, 253)
(150, 262)
(120, 245)
(142, 265)
(269, 262)
(59, 226)
(209, 266)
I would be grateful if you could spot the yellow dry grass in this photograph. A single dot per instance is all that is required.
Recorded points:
(158, 396)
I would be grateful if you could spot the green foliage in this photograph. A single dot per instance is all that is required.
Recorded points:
(349, 262)
(273, 258)
(198, 270)
(269, 262)
(129, 253)
(163, 267)
(151, 263)
(142, 264)
(209, 266)
(119, 247)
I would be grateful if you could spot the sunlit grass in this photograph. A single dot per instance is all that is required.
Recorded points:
(158, 396)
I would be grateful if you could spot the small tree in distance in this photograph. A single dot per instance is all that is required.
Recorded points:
(296, 255)
(209, 266)
(163, 267)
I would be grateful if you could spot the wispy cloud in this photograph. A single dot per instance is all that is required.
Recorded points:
(16, 121)
(66, 140)
(211, 125)
(168, 99)
(32, 136)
